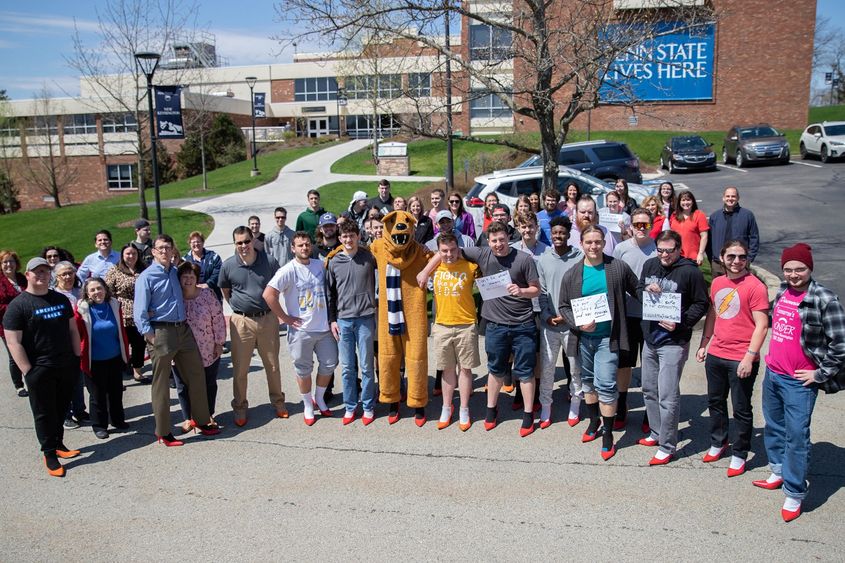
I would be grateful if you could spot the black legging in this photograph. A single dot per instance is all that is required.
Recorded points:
(137, 346)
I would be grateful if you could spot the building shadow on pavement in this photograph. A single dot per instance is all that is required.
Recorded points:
(827, 474)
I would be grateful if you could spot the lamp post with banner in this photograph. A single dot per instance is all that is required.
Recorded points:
(148, 63)
(251, 80)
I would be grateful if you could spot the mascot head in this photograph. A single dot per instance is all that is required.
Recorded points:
(399, 229)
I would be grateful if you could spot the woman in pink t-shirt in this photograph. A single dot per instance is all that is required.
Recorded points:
(689, 222)
(807, 347)
(735, 328)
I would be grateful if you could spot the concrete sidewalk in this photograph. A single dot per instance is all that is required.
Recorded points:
(289, 190)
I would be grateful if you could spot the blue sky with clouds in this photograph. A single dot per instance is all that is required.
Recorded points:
(35, 36)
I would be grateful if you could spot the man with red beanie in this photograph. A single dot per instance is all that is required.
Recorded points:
(807, 347)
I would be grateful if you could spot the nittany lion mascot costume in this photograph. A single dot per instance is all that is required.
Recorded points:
(402, 319)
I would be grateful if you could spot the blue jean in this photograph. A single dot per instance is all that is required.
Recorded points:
(598, 367)
(356, 334)
(501, 340)
(788, 410)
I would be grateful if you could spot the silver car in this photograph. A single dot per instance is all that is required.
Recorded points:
(755, 143)
(509, 184)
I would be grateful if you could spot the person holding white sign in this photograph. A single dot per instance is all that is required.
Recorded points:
(737, 322)
(511, 328)
(603, 277)
(613, 217)
(666, 342)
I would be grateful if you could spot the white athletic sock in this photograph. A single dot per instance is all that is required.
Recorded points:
(575, 407)
(714, 451)
(445, 413)
(545, 412)
(791, 504)
(736, 462)
(319, 396)
(661, 455)
(369, 414)
(349, 414)
(772, 478)
(308, 405)
(464, 415)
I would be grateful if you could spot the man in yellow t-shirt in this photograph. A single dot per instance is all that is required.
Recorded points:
(454, 333)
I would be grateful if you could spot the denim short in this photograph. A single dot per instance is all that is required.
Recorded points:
(502, 340)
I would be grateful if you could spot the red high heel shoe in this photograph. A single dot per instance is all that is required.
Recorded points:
(170, 441)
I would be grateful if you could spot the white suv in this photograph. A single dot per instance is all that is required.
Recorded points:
(508, 185)
(826, 139)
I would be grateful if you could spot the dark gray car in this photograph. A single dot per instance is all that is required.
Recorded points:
(689, 152)
(755, 143)
(606, 160)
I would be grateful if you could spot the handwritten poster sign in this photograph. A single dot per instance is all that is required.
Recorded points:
(494, 286)
(610, 220)
(589, 309)
(662, 306)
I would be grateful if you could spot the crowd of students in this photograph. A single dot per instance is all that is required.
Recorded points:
(317, 285)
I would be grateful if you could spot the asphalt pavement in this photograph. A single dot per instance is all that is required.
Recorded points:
(279, 490)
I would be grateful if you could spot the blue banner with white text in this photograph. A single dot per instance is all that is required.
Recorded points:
(260, 108)
(677, 64)
(168, 102)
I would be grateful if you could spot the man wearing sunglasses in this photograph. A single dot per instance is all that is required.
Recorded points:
(635, 252)
(666, 345)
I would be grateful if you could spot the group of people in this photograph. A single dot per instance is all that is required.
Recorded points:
(559, 281)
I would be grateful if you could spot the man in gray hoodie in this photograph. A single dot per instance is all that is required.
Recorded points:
(350, 287)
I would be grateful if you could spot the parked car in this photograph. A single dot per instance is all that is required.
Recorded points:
(606, 160)
(826, 139)
(509, 184)
(755, 143)
(690, 152)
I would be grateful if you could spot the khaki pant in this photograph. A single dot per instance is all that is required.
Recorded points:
(175, 343)
(247, 334)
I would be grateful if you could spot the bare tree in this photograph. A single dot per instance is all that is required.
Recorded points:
(9, 150)
(108, 69)
(45, 164)
(552, 60)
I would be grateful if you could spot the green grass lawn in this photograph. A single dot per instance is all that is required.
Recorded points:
(335, 197)
(827, 113)
(73, 227)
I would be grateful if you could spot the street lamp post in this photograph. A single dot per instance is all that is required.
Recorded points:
(341, 101)
(251, 80)
(148, 63)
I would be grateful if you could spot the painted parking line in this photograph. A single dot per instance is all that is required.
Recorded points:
(806, 163)
(732, 167)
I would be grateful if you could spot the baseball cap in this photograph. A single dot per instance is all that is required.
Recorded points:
(141, 223)
(358, 196)
(35, 262)
(444, 214)
(328, 219)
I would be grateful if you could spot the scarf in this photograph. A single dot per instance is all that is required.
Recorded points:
(395, 316)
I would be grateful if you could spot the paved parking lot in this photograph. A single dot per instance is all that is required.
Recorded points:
(803, 201)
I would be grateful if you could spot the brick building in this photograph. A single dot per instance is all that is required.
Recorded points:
(752, 63)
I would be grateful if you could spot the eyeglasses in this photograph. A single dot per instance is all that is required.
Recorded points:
(642, 226)
(454, 201)
(666, 250)
(802, 270)
(736, 257)
(243, 242)
(167, 248)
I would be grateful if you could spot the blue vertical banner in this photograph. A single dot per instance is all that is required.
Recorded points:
(676, 64)
(260, 108)
(168, 101)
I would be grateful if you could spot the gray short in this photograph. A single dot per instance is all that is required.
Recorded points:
(303, 345)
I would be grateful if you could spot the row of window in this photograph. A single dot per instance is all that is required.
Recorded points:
(361, 87)
(76, 124)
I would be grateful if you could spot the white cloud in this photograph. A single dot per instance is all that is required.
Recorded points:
(249, 48)
(25, 87)
(26, 23)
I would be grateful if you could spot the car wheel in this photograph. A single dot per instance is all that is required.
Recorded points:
(725, 155)
(662, 163)
(803, 150)
(671, 167)
(823, 154)
(740, 159)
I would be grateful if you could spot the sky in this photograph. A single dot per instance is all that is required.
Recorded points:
(36, 35)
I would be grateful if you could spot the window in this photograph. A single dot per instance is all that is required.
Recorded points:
(120, 176)
(419, 84)
(612, 152)
(41, 125)
(361, 126)
(119, 123)
(489, 43)
(9, 127)
(80, 124)
(315, 89)
(384, 86)
(488, 105)
(570, 157)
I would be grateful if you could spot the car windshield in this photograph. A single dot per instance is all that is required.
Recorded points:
(832, 130)
(688, 143)
(476, 189)
(751, 132)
